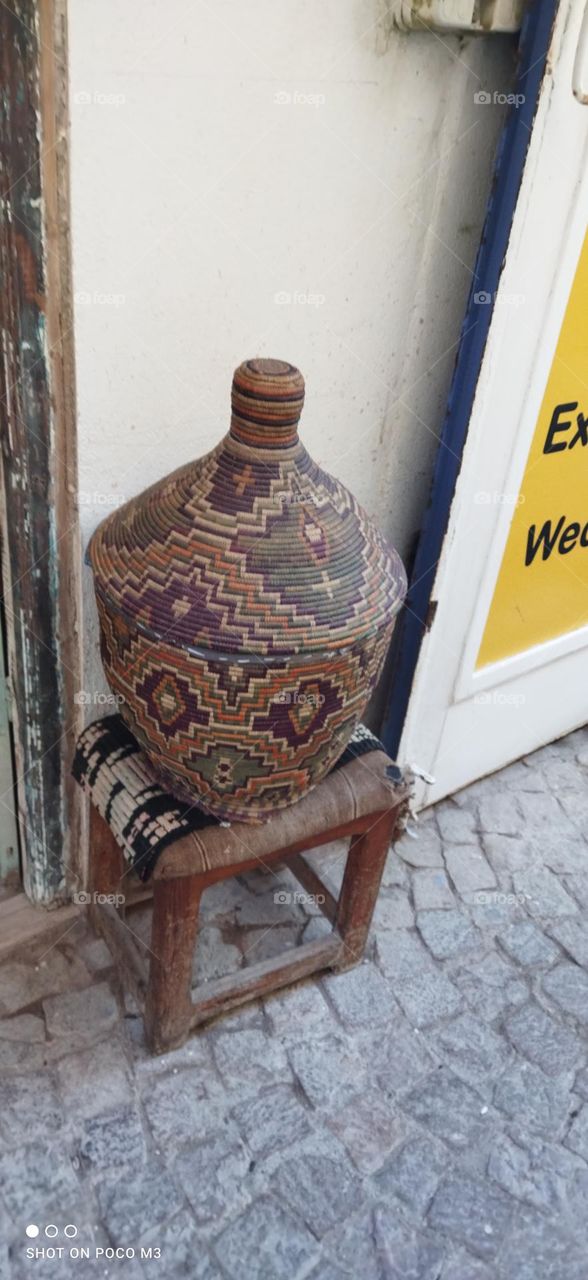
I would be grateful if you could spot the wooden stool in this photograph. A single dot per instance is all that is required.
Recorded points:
(359, 800)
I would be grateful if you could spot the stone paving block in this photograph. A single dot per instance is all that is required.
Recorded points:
(457, 826)
(35, 1177)
(326, 1271)
(404, 1250)
(494, 909)
(369, 1129)
(413, 1173)
(274, 1120)
(331, 1071)
(540, 1248)
(581, 1083)
(509, 853)
(183, 1106)
(522, 777)
(564, 855)
(431, 890)
(320, 1190)
(544, 1041)
(395, 872)
(82, 1016)
(572, 935)
(196, 1052)
(577, 885)
(130, 1207)
(361, 996)
(428, 997)
(469, 869)
(500, 815)
(266, 1242)
(464, 1267)
(94, 1080)
(525, 943)
(449, 1109)
(318, 927)
(567, 986)
(531, 1171)
(542, 812)
(531, 1098)
(472, 1051)
(183, 1252)
(213, 957)
(393, 910)
(277, 907)
(421, 846)
(473, 1212)
(267, 944)
(352, 1246)
(577, 1139)
(447, 933)
(300, 1013)
(402, 955)
(545, 895)
(491, 985)
(18, 1056)
(399, 1058)
(25, 984)
(25, 1027)
(575, 806)
(213, 1175)
(96, 955)
(113, 1140)
(249, 1059)
(27, 1100)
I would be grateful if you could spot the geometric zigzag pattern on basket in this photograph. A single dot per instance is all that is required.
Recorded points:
(246, 605)
(144, 818)
(246, 739)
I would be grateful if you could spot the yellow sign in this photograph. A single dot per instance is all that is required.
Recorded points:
(542, 587)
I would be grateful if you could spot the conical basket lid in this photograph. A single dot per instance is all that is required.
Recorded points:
(252, 549)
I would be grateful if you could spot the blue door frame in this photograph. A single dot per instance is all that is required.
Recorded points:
(533, 50)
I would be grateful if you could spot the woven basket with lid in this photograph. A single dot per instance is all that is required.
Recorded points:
(246, 605)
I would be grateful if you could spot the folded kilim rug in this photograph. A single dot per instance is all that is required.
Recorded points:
(111, 767)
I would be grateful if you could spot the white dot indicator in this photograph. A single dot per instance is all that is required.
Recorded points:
(70, 1230)
(32, 1231)
(51, 1230)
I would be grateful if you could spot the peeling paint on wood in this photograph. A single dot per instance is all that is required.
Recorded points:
(31, 469)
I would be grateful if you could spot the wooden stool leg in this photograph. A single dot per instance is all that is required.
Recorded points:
(361, 882)
(107, 867)
(168, 1008)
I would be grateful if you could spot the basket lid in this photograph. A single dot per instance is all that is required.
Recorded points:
(252, 549)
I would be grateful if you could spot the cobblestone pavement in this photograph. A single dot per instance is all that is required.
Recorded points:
(422, 1117)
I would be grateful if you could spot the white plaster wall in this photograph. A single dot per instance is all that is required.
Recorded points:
(224, 154)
